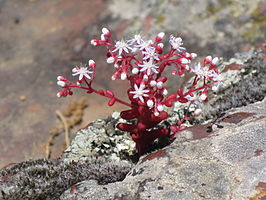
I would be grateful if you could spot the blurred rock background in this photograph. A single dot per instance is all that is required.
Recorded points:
(40, 40)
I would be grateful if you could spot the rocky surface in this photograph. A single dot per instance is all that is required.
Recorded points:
(228, 164)
(223, 159)
(48, 179)
(42, 39)
(211, 161)
(219, 26)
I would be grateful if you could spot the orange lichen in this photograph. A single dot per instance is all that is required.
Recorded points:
(261, 187)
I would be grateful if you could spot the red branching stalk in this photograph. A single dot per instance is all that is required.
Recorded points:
(142, 63)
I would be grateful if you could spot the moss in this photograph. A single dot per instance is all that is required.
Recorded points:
(48, 179)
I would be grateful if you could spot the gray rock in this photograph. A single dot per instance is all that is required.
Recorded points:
(48, 179)
(101, 139)
(230, 163)
(222, 26)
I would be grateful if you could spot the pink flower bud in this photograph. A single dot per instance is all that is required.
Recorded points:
(61, 78)
(110, 60)
(153, 83)
(106, 32)
(94, 42)
(193, 55)
(159, 84)
(165, 92)
(123, 76)
(160, 108)
(92, 64)
(182, 60)
(58, 94)
(159, 48)
(135, 70)
(180, 73)
(162, 79)
(186, 54)
(109, 93)
(174, 72)
(159, 37)
(115, 76)
(61, 83)
(207, 60)
(111, 102)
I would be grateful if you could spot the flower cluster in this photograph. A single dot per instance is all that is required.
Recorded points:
(142, 63)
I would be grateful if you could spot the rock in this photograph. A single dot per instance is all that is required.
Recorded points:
(230, 163)
(223, 159)
(101, 139)
(222, 26)
(47, 179)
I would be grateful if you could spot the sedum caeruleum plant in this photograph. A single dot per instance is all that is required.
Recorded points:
(141, 63)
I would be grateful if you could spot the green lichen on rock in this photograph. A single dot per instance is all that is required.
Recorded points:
(101, 138)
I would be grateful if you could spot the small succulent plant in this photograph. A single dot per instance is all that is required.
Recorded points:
(141, 63)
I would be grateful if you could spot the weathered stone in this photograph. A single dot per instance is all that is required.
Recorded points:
(47, 179)
(101, 139)
(223, 165)
(222, 26)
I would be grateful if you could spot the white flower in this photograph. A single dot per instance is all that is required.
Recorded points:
(144, 44)
(139, 92)
(176, 43)
(137, 39)
(150, 54)
(121, 46)
(149, 66)
(202, 71)
(82, 71)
